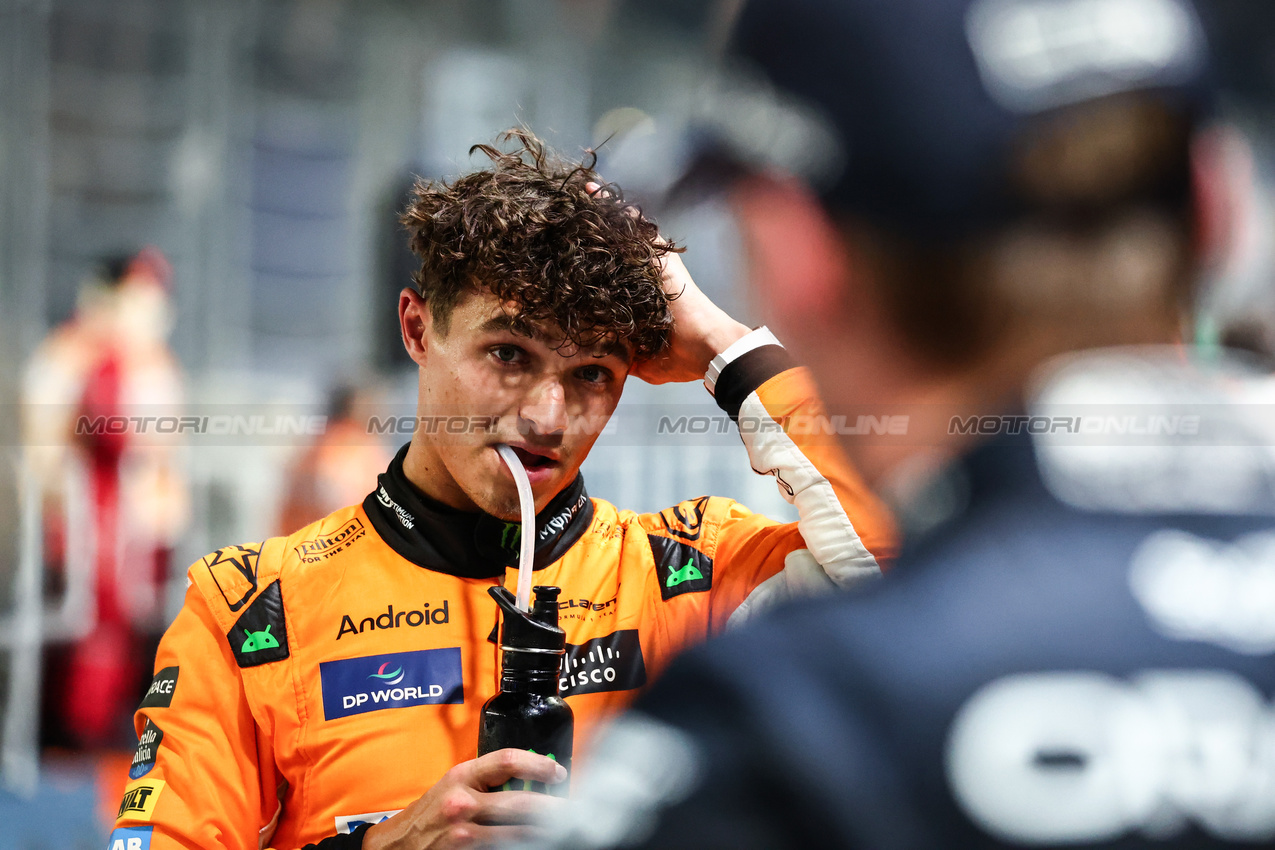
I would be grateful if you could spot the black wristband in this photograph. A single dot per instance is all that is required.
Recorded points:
(743, 375)
(352, 841)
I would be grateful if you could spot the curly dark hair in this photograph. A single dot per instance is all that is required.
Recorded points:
(527, 230)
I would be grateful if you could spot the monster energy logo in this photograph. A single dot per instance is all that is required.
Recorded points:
(687, 573)
(511, 536)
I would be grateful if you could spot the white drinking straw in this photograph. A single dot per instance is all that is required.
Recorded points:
(528, 536)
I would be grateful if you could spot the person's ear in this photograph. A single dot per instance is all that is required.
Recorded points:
(414, 321)
(797, 257)
(1222, 181)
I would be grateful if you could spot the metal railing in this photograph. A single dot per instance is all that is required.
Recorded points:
(24, 633)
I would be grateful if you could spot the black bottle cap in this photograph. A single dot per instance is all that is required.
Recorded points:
(545, 607)
(537, 630)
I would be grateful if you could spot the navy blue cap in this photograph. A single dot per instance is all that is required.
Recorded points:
(928, 97)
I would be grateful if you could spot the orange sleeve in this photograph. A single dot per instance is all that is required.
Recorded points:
(787, 432)
(196, 780)
(843, 532)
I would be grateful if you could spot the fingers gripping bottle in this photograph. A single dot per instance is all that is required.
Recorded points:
(528, 713)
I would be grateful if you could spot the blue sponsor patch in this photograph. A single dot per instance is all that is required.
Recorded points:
(130, 838)
(147, 749)
(392, 680)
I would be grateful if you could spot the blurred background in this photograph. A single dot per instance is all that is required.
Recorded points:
(198, 211)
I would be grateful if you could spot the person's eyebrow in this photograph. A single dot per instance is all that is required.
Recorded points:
(522, 327)
(614, 348)
(515, 324)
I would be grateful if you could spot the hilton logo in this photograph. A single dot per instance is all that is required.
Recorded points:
(321, 548)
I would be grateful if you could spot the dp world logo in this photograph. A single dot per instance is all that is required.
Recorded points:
(393, 680)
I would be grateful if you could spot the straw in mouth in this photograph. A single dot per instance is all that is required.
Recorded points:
(531, 460)
(513, 460)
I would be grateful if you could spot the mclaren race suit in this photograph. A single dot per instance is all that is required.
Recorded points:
(325, 680)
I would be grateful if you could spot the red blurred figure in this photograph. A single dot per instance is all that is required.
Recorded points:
(107, 363)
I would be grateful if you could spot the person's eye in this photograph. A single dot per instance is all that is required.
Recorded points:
(508, 354)
(593, 374)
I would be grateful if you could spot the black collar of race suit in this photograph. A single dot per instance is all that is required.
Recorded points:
(469, 544)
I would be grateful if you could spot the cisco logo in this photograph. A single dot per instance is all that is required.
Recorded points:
(611, 663)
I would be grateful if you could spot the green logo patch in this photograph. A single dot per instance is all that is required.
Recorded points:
(681, 567)
(258, 641)
(686, 573)
(261, 634)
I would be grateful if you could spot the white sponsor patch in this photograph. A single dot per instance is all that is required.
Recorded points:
(1081, 757)
(346, 824)
(1206, 590)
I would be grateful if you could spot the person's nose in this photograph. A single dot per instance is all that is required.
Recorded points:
(545, 408)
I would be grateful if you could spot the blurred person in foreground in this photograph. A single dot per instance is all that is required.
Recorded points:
(1074, 645)
(111, 490)
(338, 468)
(315, 685)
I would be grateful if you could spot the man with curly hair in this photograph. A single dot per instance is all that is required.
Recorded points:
(325, 688)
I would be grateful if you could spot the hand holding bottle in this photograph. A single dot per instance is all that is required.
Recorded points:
(459, 811)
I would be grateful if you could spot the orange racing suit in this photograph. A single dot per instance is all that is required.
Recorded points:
(325, 680)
